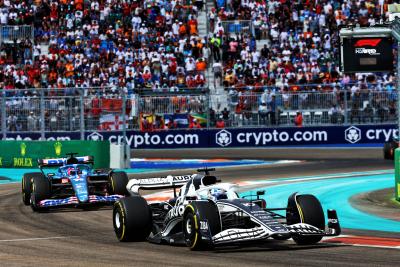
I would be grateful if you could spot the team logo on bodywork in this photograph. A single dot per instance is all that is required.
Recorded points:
(223, 138)
(352, 134)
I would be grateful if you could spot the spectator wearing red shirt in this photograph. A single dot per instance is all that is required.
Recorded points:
(298, 120)
(220, 123)
(194, 124)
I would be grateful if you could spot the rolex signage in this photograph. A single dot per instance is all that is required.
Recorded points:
(24, 154)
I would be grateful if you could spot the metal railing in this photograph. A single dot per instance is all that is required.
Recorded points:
(66, 109)
(12, 33)
(110, 109)
(317, 108)
(238, 27)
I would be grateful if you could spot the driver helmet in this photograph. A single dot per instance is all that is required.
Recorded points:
(217, 193)
(71, 171)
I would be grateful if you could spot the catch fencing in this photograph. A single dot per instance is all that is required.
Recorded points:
(113, 109)
(66, 109)
(238, 27)
(316, 108)
(16, 33)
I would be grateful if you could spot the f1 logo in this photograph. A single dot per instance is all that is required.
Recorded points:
(367, 42)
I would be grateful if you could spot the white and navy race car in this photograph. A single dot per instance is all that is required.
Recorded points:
(206, 213)
(74, 183)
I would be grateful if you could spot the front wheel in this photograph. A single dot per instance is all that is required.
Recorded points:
(201, 221)
(132, 219)
(40, 191)
(26, 185)
(306, 209)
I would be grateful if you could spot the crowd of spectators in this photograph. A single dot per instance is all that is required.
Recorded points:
(299, 53)
(154, 45)
(301, 42)
(138, 44)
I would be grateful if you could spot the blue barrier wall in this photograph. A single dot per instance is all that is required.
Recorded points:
(353, 135)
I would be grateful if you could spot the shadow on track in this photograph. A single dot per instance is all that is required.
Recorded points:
(75, 209)
(272, 246)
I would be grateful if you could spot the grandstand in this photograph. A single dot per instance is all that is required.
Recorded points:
(247, 62)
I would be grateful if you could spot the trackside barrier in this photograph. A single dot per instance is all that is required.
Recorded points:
(397, 174)
(24, 154)
(120, 156)
(350, 135)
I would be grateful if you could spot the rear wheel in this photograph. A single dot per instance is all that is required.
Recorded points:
(27, 186)
(132, 219)
(388, 150)
(40, 190)
(118, 182)
(201, 221)
(307, 209)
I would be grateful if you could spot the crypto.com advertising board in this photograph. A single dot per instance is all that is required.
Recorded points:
(354, 135)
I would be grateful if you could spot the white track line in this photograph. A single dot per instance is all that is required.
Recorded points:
(34, 239)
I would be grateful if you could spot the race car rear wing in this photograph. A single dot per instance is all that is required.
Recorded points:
(62, 161)
(157, 183)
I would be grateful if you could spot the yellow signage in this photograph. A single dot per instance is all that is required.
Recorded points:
(23, 162)
(57, 148)
(23, 149)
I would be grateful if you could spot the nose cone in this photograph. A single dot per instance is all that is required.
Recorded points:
(81, 190)
(83, 197)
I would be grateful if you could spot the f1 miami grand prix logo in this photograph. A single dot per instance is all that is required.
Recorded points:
(352, 134)
(223, 138)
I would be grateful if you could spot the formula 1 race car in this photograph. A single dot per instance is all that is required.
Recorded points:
(206, 214)
(75, 182)
(389, 147)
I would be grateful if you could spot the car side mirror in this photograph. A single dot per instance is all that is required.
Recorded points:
(261, 193)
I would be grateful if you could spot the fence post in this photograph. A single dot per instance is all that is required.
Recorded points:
(346, 108)
(3, 114)
(124, 119)
(42, 115)
(135, 102)
(71, 112)
(82, 117)
(33, 42)
(208, 107)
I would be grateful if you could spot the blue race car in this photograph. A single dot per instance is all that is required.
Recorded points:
(74, 183)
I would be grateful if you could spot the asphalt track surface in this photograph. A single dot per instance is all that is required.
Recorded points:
(86, 238)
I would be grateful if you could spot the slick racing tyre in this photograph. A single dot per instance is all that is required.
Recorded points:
(40, 190)
(307, 210)
(27, 186)
(388, 150)
(201, 221)
(132, 219)
(118, 182)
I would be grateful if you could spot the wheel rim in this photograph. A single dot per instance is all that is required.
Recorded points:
(189, 226)
(117, 220)
(33, 195)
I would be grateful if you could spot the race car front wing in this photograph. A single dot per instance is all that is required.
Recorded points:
(74, 200)
(263, 232)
